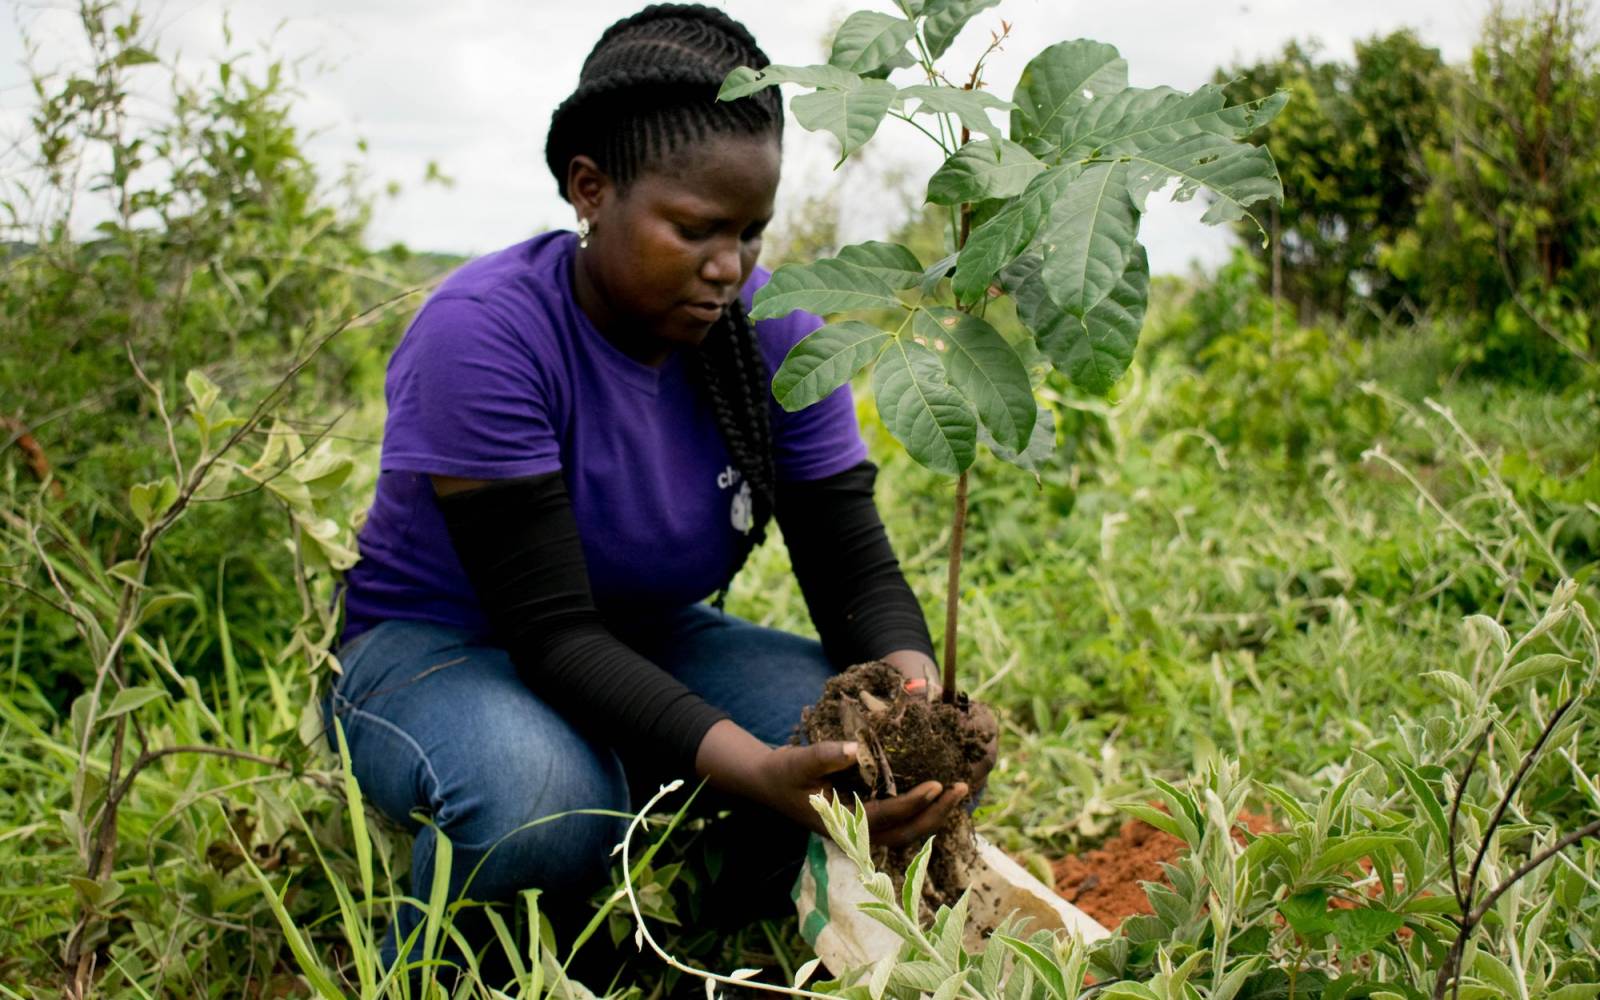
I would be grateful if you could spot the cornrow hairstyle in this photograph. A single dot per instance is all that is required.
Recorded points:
(647, 90)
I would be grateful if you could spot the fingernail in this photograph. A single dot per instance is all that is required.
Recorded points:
(933, 791)
(849, 749)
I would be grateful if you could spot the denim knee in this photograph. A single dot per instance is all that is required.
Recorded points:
(533, 821)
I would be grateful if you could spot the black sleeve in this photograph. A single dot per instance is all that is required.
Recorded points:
(518, 541)
(859, 600)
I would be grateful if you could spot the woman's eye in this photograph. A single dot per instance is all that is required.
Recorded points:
(694, 234)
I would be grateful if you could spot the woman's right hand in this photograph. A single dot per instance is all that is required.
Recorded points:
(785, 778)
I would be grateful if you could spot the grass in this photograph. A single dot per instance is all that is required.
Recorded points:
(1158, 597)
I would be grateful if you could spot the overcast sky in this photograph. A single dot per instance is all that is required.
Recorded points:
(470, 85)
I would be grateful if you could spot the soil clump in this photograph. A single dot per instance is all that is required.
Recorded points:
(903, 740)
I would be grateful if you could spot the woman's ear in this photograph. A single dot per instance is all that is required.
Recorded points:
(588, 187)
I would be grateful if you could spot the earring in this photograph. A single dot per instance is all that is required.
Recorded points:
(583, 233)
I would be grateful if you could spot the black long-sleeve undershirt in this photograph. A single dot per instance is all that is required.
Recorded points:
(518, 542)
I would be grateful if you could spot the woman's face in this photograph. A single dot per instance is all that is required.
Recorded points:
(671, 251)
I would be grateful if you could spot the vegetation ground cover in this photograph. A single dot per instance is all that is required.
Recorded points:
(1309, 566)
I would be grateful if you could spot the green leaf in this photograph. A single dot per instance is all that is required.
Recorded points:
(971, 107)
(950, 987)
(136, 56)
(1042, 964)
(921, 410)
(1136, 119)
(923, 977)
(1423, 793)
(984, 368)
(1307, 913)
(823, 286)
(996, 242)
(982, 170)
(129, 699)
(944, 19)
(158, 603)
(202, 390)
(1343, 850)
(1536, 666)
(150, 500)
(1454, 686)
(916, 872)
(878, 982)
(1041, 443)
(824, 361)
(745, 80)
(1158, 818)
(1238, 175)
(851, 115)
(1094, 349)
(1091, 236)
(1363, 929)
(1059, 82)
(868, 40)
(889, 261)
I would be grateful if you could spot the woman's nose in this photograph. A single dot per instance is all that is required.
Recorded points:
(721, 266)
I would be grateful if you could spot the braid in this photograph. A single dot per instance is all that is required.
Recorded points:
(648, 89)
(730, 369)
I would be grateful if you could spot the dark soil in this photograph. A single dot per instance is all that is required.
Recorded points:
(906, 740)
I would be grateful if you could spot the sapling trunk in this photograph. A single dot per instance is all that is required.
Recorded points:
(952, 596)
(958, 523)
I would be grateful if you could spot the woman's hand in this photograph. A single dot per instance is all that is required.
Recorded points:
(784, 779)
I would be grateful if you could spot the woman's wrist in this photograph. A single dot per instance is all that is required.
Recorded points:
(918, 668)
(730, 758)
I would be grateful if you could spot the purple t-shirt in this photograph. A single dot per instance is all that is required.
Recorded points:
(501, 375)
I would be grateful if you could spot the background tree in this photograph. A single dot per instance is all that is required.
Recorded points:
(1508, 236)
(1351, 145)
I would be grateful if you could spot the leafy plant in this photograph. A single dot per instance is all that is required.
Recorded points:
(1045, 211)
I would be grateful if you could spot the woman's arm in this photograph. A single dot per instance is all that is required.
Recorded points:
(518, 541)
(858, 598)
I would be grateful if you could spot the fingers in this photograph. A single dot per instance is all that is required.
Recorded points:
(818, 760)
(914, 816)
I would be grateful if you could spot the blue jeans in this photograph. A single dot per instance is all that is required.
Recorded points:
(438, 722)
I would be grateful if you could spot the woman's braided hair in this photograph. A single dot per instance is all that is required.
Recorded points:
(647, 90)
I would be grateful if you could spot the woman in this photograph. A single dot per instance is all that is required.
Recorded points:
(581, 446)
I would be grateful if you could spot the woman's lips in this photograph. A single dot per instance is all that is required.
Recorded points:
(706, 312)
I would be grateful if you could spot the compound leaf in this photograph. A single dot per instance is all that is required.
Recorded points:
(852, 115)
(745, 80)
(889, 261)
(868, 40)
(983, 169)
(944, 19)
(997, 240)
(921, 409)
(1092, 234)
(822, 286)
(1137, 119)
(1093, 348)
(1059, 82)
(971, 107)
(1238, 174)
(986, 369)
(824, 361)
